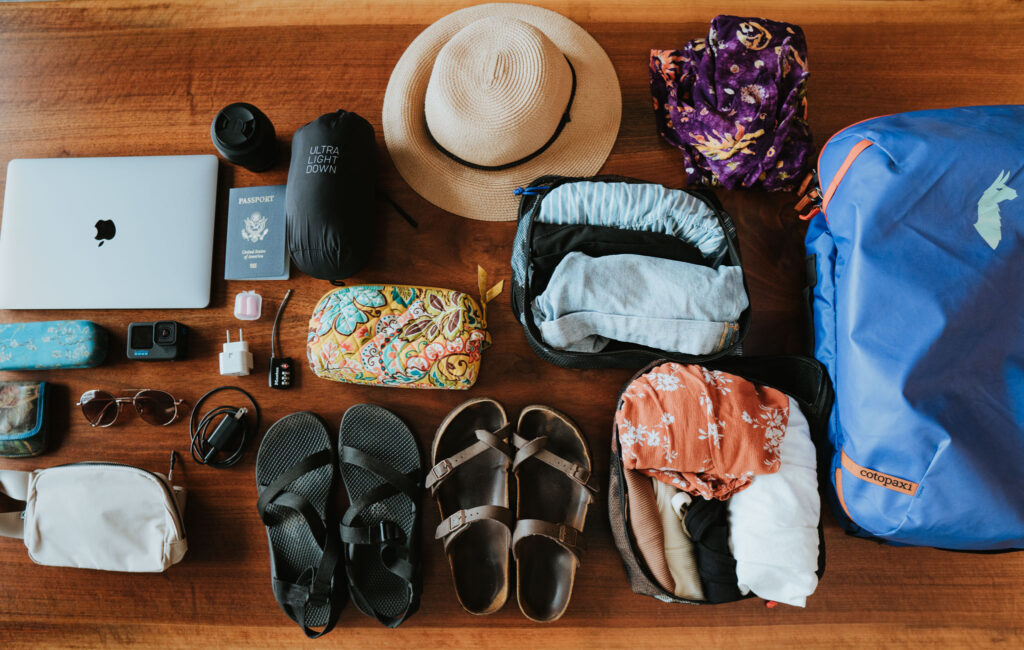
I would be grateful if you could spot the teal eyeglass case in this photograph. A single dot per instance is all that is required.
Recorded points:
(48, 345)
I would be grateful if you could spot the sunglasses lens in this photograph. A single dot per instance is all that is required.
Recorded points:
(155, 407)
(99, 408)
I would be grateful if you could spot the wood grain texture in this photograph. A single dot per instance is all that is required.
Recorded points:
(131, 78)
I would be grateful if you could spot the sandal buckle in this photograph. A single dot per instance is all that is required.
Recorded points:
(317, 595)
(458, 520)
(442, 469)
(388, 531)
(581, 474)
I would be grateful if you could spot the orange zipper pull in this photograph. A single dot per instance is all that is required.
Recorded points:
(810, 196)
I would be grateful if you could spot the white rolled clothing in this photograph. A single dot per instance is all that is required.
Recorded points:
(773, 523)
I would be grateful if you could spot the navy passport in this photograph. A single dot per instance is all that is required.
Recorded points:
(256, 246)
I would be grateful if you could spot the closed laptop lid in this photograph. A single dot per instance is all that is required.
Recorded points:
(108, 233)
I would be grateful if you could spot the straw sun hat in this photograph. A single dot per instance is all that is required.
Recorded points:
(490, 97)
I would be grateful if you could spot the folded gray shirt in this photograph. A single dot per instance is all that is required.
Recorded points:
(655, 302)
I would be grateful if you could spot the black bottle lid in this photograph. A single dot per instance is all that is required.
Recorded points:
(245, 136)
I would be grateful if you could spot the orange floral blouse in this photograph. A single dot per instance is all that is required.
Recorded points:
(703, 431)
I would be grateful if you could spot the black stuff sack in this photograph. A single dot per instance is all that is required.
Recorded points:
(329, 200)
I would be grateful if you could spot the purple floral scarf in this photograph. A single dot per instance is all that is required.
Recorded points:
(735, 104)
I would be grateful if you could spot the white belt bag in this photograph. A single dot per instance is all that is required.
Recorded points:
(97, 516)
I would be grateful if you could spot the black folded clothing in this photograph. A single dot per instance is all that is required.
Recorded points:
(707, 521)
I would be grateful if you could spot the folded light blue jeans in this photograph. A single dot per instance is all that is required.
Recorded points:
(651, 301)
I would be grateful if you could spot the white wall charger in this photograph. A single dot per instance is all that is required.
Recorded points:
(236, 359)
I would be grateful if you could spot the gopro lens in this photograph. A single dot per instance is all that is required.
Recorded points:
(166, 333)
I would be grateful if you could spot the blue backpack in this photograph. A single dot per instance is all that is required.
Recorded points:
(918, 304)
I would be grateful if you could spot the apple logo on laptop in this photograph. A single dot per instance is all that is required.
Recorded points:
(105, 230)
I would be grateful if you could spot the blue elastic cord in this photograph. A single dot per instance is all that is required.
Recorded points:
(530, 191)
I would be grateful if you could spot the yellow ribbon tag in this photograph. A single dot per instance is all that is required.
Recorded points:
(487, 295)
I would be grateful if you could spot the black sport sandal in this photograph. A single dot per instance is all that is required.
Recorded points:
(295, 476)
(382, 470)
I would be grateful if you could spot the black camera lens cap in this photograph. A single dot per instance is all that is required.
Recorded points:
(245, 136)
(236, 126)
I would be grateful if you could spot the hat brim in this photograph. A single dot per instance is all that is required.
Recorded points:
(580, 150)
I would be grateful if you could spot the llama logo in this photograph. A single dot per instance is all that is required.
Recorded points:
(990, 223)
(255, 228)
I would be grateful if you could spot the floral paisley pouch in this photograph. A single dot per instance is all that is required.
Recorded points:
(400, 335)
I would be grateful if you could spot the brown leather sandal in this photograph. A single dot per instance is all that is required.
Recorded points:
(554, 487)
(471, 460)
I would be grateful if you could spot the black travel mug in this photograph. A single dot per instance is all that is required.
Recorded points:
(245, 136)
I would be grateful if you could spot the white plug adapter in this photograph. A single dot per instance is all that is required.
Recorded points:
(236, 360)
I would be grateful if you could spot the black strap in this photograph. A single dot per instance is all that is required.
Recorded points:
(390, 539)
(315, 587)
(406, 484)
(383, 532)
(377, 494)
(365, 606)
(566, 118)
(810, 282)
(320, 590)
(301, 505)
(394, 555)
(311, 462)
(400, 565)
(405, 215)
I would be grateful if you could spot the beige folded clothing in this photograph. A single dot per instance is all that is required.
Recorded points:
(645, 521)
(678, 547)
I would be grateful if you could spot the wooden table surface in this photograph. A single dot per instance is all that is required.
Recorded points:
(113, 78)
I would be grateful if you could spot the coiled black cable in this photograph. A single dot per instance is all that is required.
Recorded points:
(205, 448)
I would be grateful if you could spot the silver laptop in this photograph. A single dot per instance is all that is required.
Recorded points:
(108, 233)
